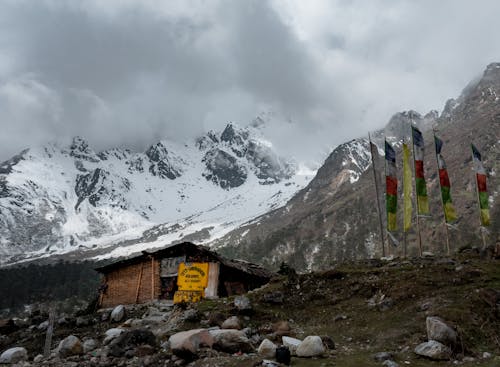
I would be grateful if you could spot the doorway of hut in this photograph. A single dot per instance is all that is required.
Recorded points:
(168, 287)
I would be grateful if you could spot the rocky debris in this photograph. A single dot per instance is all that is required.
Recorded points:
(267, 349)
(438, 330)
(242, 303)
(112, 334)
(118, 313)
(381, 301)
(291, 343)
(231, 341)
(70, 346)
(89, 345)
(187, 343)
(382, 356)
(232, 323)
(433, 350)
(126, 343)
(390, 363)
(311, 346)
(14, 355)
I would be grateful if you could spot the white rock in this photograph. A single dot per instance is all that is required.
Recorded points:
(487, 355)
(438, 330)
(267, 349)
(291, 343)
(112, 334)
(232, 323)
(118, 313)
(189, 342)
(312, 346)
(231, 341)
(70, 346)
(433, 350)
(14, 355)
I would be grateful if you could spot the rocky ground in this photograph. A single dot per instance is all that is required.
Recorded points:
(417, 312)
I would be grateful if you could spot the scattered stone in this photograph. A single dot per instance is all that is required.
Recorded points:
(487, 355)
(328, 342)
(89, 345)
(38, 358)
(187, 343)
(232, 323)
(340, 318)
(291, 343)
(311, 346)
(438, 330)
(282, 328)
(390, 363)
(276, 297)
(14, 355)
(427, 254)
(63, 321)
(468, 359)
(118, 313)
(231, 341)
(43, 325)
(112, 334)
(242, 303)
(433, 350)
(382, 356)
(129, 340)
(70, 346)
(267, 349)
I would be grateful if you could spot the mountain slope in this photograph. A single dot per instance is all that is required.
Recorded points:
(58, 199)
(335, 219)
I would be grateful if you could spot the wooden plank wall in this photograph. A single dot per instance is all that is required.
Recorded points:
(124, 287)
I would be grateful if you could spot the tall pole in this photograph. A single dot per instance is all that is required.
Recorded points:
(416, 197)
(379, 212)
(481, 227)
(442, 202)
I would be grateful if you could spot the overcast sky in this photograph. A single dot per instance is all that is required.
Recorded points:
(128, 73)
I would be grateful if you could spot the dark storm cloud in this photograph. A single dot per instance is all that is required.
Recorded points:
(131, 72)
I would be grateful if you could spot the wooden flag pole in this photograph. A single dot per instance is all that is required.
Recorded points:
(442, 202)
(378, 199)
(416, 197)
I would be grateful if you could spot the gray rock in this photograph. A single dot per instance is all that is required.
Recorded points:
(131, 343)
(188, 343)
(14, 355)
(70, 346)
(438, 330)
(118, 313)
(38, 358)
(390, 363)
(232, 323)
(231, 341)
(291, 343)
(112, 334)
(191, 315)
(89, 345)
(267, 349)
(382, 356)
(242, 303)
(43, 325)
(311, 346)
(433, 350)
(487, 355)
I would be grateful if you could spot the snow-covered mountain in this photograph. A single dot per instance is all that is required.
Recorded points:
(57, 199)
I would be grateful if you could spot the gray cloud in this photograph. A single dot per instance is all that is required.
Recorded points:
(130, 72)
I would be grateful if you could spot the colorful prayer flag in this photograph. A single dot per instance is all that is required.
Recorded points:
(444, 182)
(407, 188)
(391, 185)
(482, 192)
(420, 186)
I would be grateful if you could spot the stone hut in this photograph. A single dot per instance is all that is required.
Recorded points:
(153, 275)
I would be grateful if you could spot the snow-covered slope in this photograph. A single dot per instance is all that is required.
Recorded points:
(57, 199)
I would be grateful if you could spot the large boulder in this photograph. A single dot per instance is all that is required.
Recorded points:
(232, 323)
(311, 346)
(14, 355)
(112, 334)
(267, 349)
(433, 350)
(291, 343)
(188, 343)
(118, 313)
(231, 341)
(438, 330)
(70, 346)
(127, 342)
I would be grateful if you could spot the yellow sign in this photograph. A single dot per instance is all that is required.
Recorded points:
(192, 276)
(187, 296)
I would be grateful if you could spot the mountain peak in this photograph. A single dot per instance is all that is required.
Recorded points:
(80, 149)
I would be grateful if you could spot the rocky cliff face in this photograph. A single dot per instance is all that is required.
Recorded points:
(58, 199)
(334, 218)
